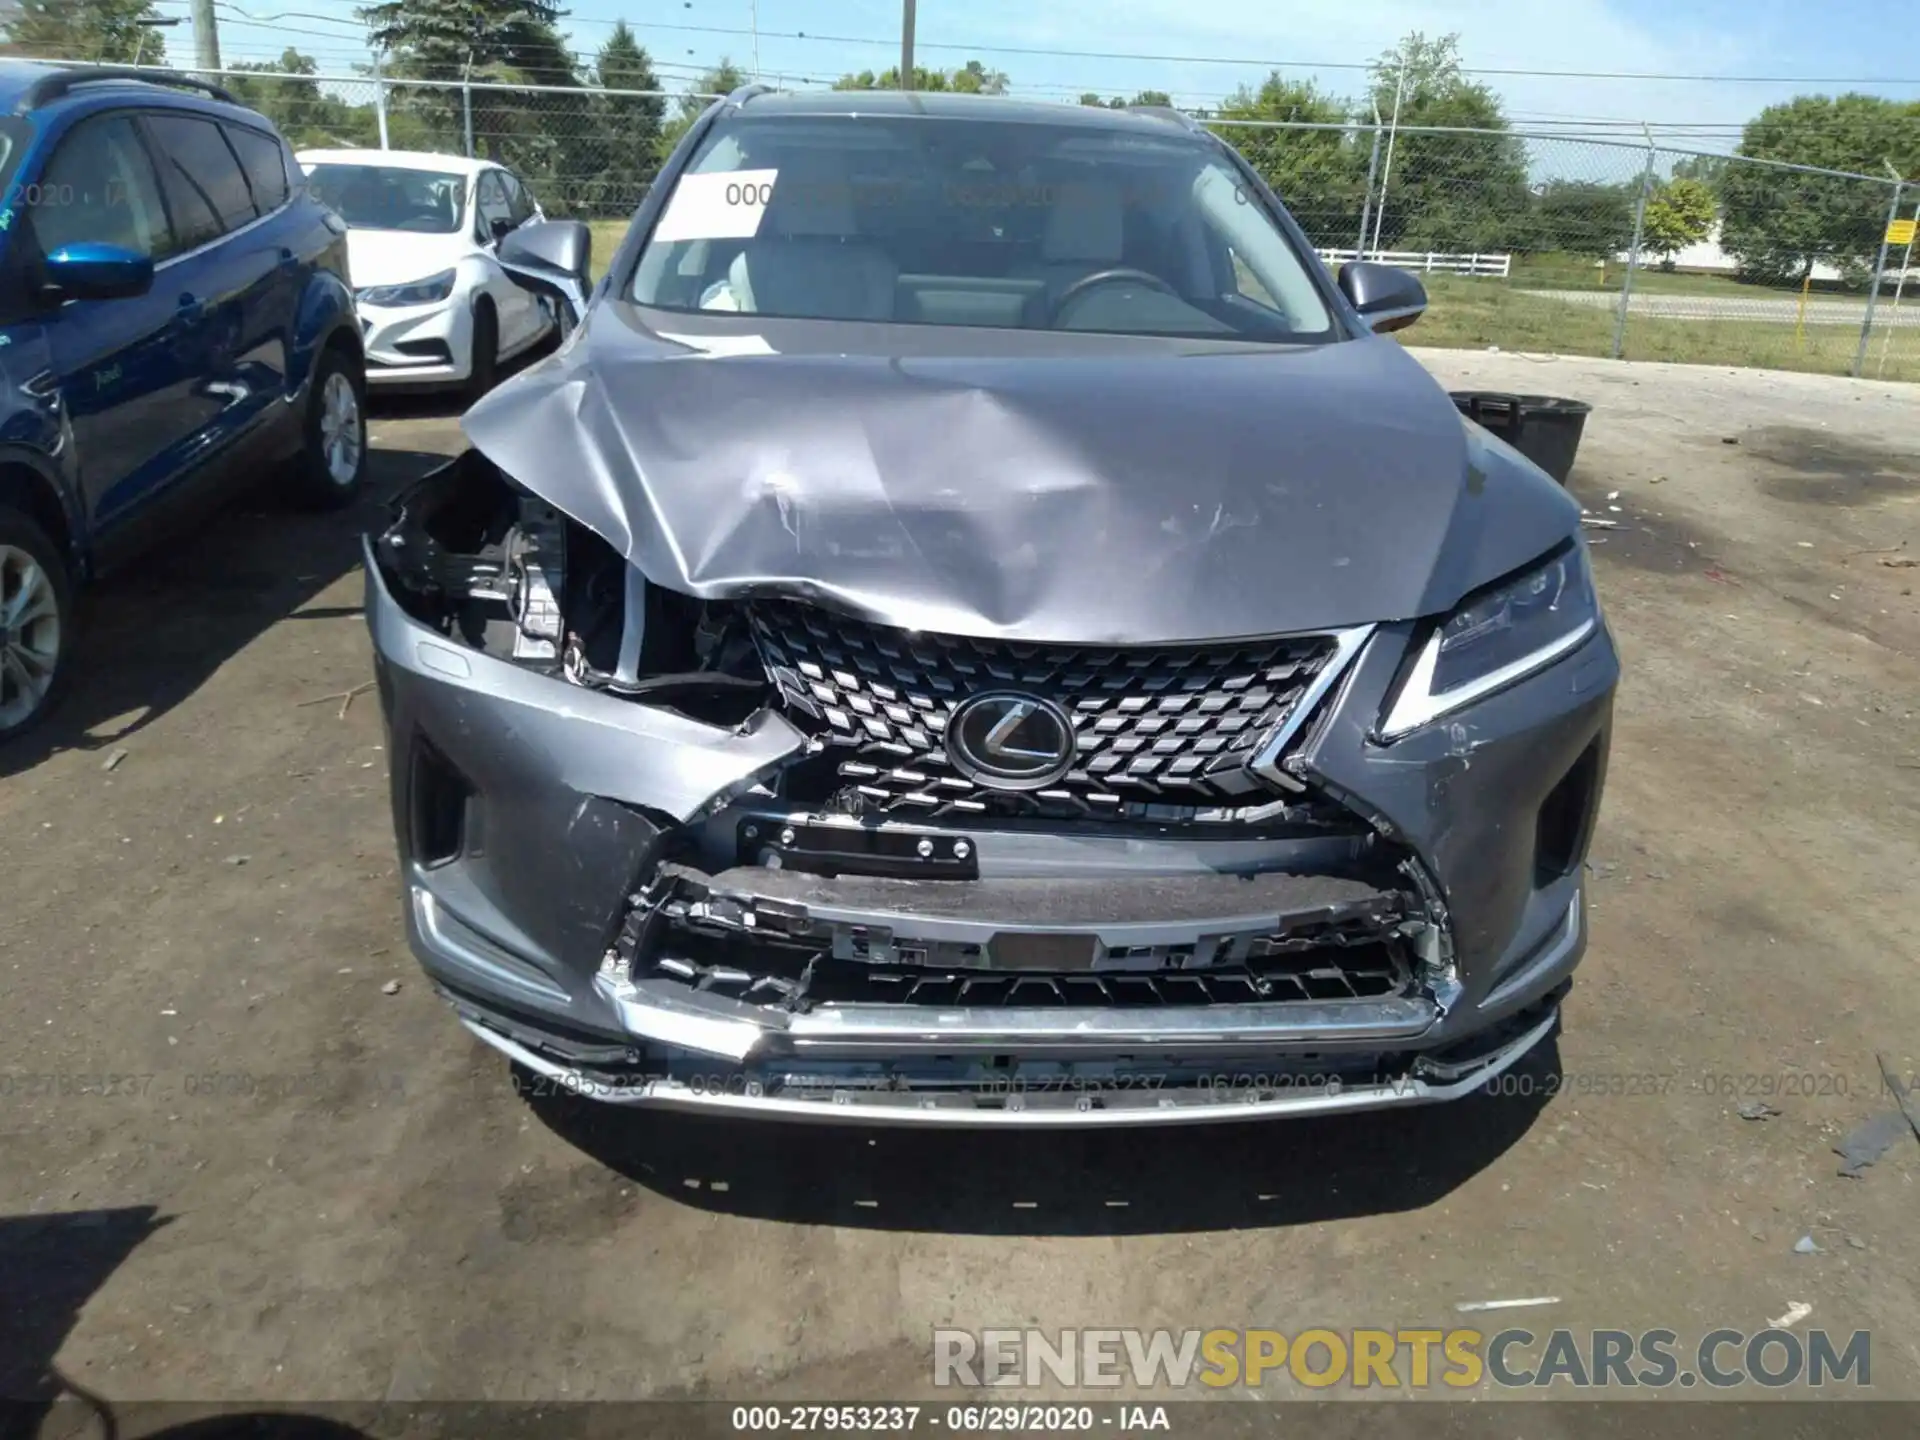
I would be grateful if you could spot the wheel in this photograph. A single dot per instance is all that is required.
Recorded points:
(36, 623)
(486, 351)
(333, 457)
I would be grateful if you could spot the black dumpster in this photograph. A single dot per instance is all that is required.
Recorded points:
(1544, 429)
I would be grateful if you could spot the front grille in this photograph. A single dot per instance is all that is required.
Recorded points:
(1161, 732)
(1277, 970)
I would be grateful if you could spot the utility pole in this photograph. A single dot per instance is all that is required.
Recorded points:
(753, 19)
(206, 38)
(906, 45)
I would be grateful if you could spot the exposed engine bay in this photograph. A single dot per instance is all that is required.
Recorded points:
(504, 572)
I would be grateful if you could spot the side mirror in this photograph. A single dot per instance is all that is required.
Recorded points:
(93, 271)
(1387, 298)
(501, 227)
(551, 258)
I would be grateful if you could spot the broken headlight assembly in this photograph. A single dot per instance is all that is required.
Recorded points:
(483, 562)
(1499, 636)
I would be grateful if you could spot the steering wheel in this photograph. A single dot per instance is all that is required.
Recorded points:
(1115, 276)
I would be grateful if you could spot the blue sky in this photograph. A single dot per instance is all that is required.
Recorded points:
(1843, 38)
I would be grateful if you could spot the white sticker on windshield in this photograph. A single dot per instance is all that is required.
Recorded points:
(719, 347)
(725, 206)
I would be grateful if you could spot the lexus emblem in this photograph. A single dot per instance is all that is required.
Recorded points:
(1010, 742)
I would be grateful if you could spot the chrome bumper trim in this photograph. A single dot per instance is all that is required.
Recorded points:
(1053, 1110)
(668, 1013)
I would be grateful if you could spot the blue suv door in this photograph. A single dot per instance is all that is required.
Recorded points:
(127, 368)
(235, 278)
(267, 339)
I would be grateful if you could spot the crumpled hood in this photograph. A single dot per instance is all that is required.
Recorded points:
(1069, 488)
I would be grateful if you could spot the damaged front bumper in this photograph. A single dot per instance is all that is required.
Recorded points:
(636, 901)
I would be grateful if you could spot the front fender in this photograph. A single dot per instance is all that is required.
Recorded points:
(326, 310)
(36, 443)
(481, 274)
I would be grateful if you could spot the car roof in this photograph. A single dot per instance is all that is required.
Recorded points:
(396, 159)
(951, 105)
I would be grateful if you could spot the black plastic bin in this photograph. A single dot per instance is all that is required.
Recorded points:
(1544, 429)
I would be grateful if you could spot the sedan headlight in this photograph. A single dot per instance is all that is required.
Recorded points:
(1497, 637)
(415, 292)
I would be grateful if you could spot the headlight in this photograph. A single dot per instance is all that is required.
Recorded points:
(1497, 637)
(415, 292)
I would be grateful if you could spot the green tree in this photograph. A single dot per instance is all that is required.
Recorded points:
(723, 79)
(1448, 191)
(1319, 174)
(500, 44)
(1581, 217)
(306, 115)
(1706, 168)
(972, 78)
(1141, 97)
(86, 30)
(515, 41)
(629, 125)
(1778, 223)
(890, 80)
(1679, 213)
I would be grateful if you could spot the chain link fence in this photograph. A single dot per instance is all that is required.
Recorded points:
(585, 151)
(1529, 242)
(1550, 243)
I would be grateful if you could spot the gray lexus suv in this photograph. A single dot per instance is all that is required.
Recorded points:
(975, 625)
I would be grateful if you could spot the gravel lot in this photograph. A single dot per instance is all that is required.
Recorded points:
(328, 1191)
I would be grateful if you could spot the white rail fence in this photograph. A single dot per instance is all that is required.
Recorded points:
(1429, 261)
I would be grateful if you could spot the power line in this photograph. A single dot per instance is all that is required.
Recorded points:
(1291, 64)
(1048, 52)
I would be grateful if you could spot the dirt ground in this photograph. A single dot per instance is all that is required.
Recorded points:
(315, 1189)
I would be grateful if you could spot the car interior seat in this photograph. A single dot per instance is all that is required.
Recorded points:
(807, 258)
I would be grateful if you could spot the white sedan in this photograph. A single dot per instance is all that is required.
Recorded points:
(435, 307)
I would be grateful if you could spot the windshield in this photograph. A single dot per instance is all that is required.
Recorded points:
(982, 223)
(385, 197)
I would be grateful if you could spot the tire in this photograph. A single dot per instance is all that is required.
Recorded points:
(484, 372)
(36, 624)
(333, 447)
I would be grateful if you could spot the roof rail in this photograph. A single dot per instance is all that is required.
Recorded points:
(1167, 112)
(748, 91)
(51, 87)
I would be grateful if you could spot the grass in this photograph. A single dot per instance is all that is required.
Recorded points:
(607, 235)
(1473, 314)
(1570, 272)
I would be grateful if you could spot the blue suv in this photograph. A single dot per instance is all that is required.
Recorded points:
(175, 321)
